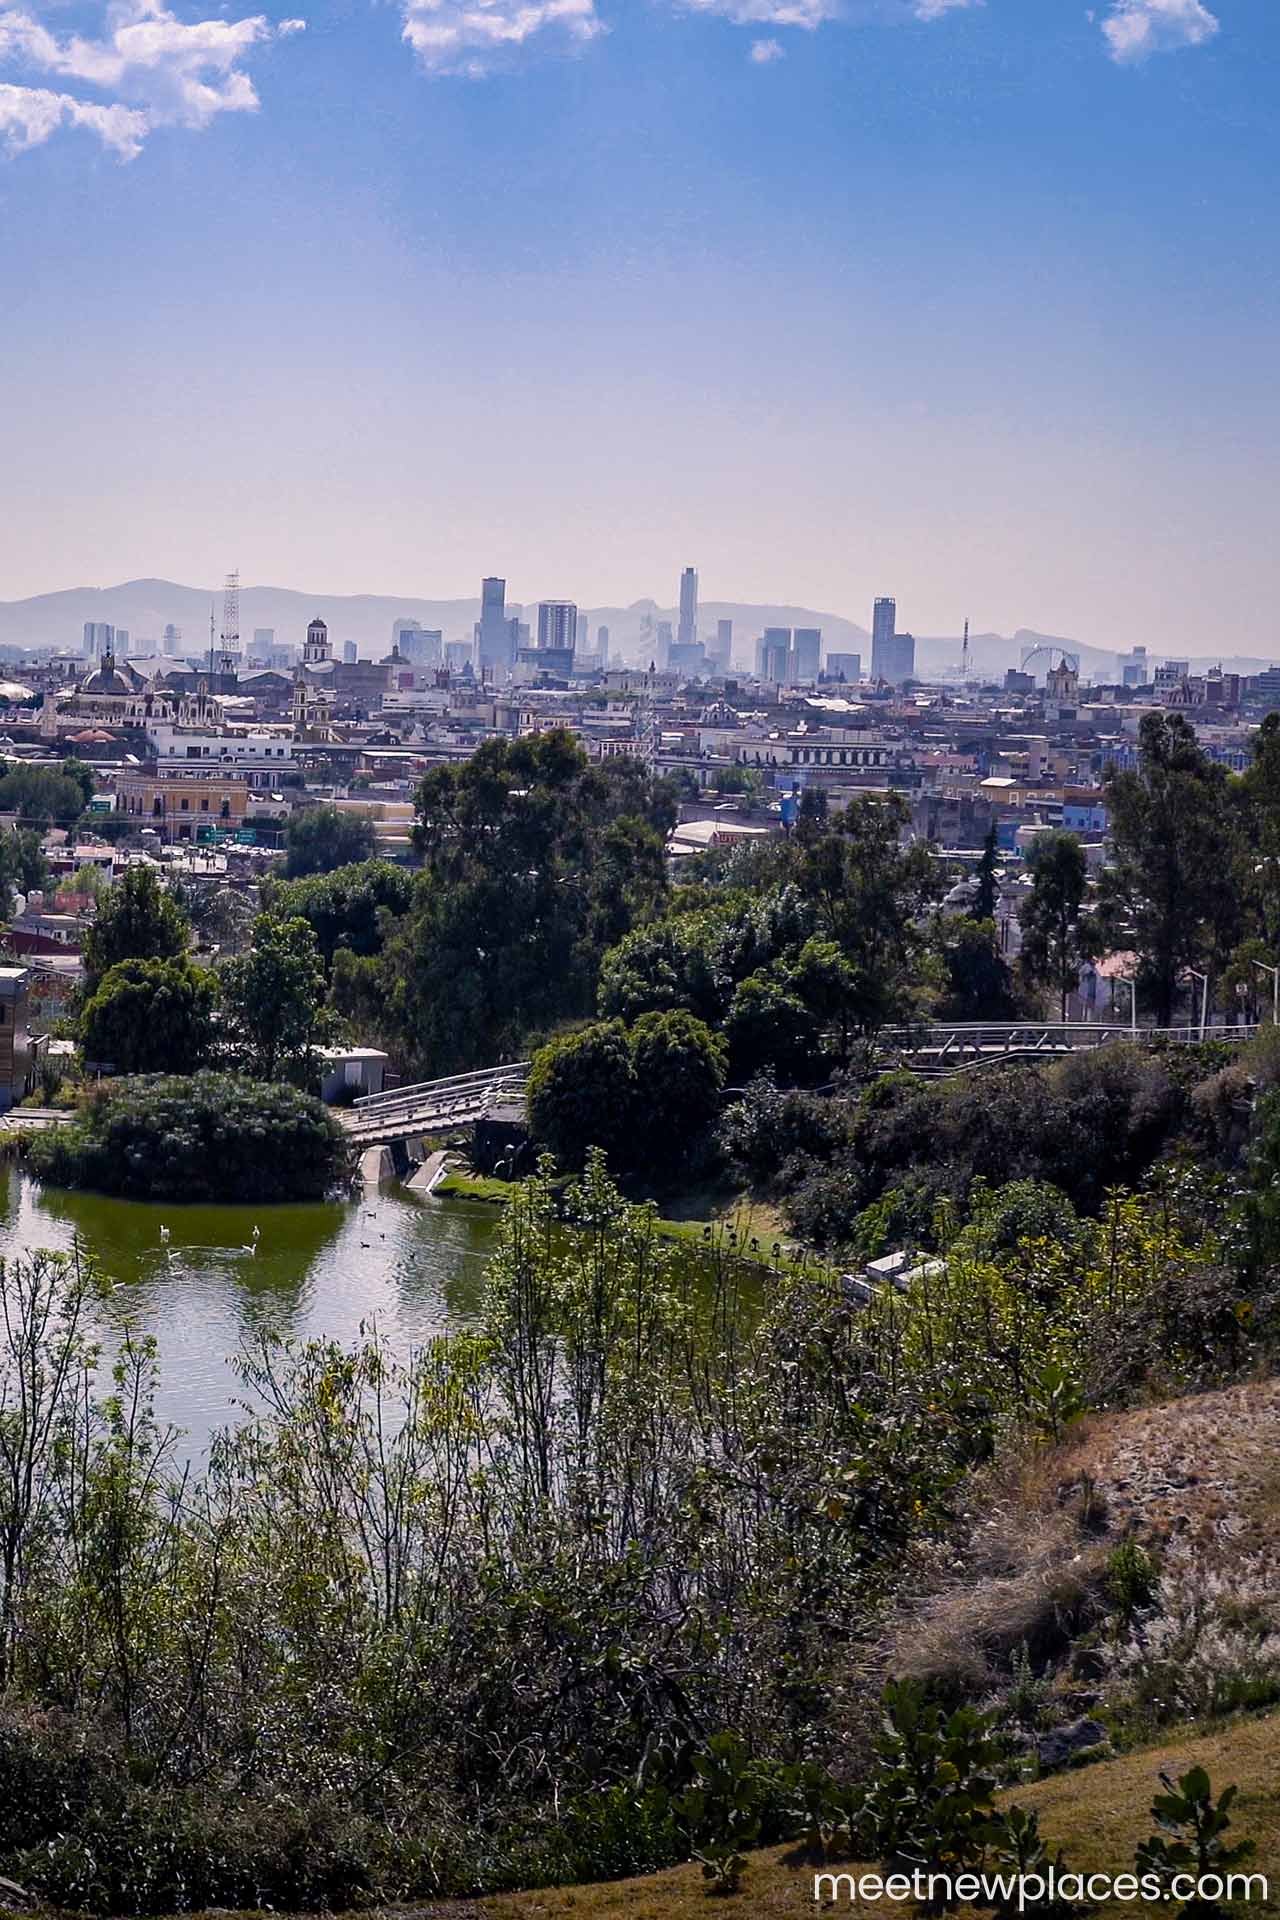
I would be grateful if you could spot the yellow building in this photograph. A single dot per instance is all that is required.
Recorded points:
(177, 801)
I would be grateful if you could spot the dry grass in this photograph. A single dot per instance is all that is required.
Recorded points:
(1027, 1567)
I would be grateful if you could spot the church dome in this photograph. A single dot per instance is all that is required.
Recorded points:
(106, 679)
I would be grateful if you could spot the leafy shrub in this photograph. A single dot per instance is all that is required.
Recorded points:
(582, 1094)
(209, 1136)
(1191, 1838)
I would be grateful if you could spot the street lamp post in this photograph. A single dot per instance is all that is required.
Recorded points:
(1275, 988)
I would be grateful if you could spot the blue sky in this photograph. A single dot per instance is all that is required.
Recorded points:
(974, 303)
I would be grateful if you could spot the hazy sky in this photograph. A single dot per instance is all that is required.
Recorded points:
(973, 303)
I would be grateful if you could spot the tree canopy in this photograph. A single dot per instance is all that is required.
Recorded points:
(274, 1003)
(318, 839)
(150, 1016)
(535, 861)
(135, 920)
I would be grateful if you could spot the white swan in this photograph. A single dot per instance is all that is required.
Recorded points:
(164, 1236)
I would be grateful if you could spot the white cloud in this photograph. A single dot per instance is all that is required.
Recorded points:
(162, 71)
(934, 9)
(28, 115)
(473, 36)
(764, 52)
(770, 13)
(1135, 28)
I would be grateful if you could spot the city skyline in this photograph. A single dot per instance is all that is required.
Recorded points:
(1003, 317)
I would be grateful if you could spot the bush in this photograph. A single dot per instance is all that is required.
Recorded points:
(209, 1136)
(679, 1067)
(582, 1094)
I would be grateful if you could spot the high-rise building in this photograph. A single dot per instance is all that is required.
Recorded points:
(806, 655)
(350, 653)
(120, 644)
(845, 666)
(264, 642)
(557, 625)
(171, 639)
(602, 646)
(773, 655)
(99, 638)
(900, 660)
(496, 632)
(687, 630)
(884, 621)
(459, 655)
(691, 659)
(421, 646)
(723, 655)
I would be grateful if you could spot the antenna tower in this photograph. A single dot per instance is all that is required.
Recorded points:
(231, 623)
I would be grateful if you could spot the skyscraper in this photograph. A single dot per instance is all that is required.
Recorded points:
(884, 621)
(602, 645)
(687, 630)
(773, 655)
(350, 653)
(900, 660)
(99, 638)
(806, 655)
(724, 645)
(557, 624)
(495, 632)
(172, 638)
(421, 646)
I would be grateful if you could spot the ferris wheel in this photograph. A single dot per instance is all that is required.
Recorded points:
(1049, 657)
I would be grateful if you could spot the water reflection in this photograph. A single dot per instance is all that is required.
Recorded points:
(412, 1268)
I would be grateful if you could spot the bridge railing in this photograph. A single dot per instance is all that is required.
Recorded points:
(462, 1096)
(989, 1040)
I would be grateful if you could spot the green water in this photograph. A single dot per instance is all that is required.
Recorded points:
(411, 1267)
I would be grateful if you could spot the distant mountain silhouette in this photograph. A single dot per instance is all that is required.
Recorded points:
(146, 607)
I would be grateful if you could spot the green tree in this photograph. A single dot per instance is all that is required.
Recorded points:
(984, 905)
(582, 1094)
(1054, 941)
(274, 1001)
(82, 774)
(351, 907)
(535, 860)
(868, 893)
(979, 984)
(1172, 891)
(318, 839)
(136, 920)
(679, 1068)
(42, 796)
(770, 1029)
(23, 867)
(150, 1016)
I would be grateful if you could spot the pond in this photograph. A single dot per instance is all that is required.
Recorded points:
(412, 1267)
